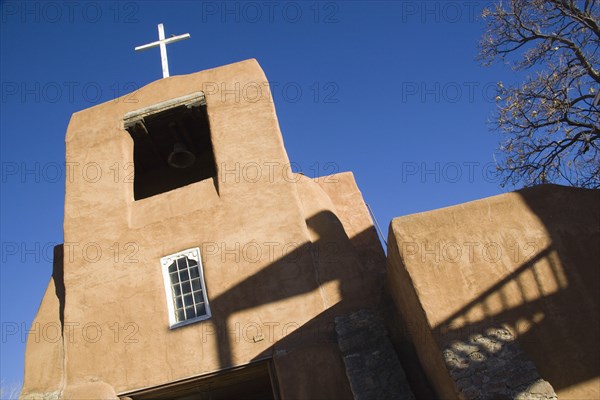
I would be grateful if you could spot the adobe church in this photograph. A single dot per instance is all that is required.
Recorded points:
(197, 265)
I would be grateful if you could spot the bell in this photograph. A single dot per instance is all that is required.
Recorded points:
(181, 157)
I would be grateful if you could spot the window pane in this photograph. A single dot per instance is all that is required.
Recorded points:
(181, 263)
(196, 284)
(200, 309)
(183, 275)
(180, 315)
(190, 312)
(174, 278)
(185, 286)
(198, 297)
(176, 290)
(172, 268)
(194, 272)
(187, 300)
(178, 302)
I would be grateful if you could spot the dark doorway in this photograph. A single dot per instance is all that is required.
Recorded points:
(253, 382)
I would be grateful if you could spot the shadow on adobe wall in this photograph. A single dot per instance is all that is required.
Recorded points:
(557, 320)
(307, 359)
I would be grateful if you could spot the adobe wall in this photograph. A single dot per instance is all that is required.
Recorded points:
(44, 353)
(259, 236)
(349, 266)
(499, 292)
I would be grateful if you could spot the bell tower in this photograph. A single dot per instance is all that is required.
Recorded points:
(194, 259)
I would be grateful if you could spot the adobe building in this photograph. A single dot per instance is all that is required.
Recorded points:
(501, 296)
(196, 265)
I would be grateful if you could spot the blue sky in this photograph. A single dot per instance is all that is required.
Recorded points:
(389, 90)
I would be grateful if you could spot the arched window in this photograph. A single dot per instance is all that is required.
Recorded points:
(185, 289)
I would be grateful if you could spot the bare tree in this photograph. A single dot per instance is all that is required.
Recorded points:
(551, 120)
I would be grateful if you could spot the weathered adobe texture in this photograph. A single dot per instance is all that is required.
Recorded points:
(500, 296)
(319, 256)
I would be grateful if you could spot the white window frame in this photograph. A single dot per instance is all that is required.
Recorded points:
(165, 262)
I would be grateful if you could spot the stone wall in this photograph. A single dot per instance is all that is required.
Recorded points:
(372, 366)
(492, 366)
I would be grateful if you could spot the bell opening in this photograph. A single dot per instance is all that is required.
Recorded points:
(172, 149)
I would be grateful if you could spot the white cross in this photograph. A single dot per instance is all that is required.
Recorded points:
(162, 43)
